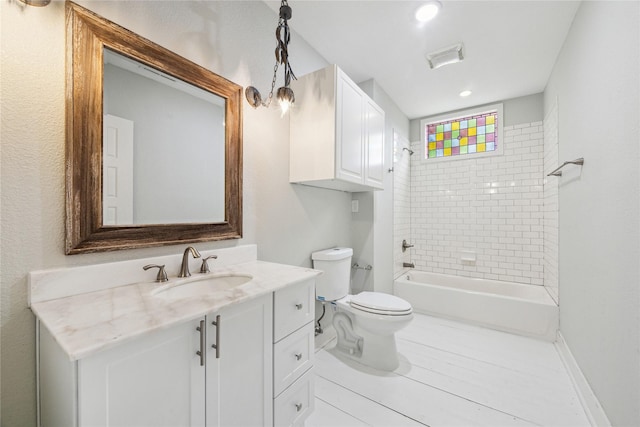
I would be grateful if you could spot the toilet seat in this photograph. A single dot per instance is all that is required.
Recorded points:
(380, 304)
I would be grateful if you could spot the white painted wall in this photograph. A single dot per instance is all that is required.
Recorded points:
(32, 181)
(596, 83)
(234, 39)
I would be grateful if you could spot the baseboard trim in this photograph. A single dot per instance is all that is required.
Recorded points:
(593, 409)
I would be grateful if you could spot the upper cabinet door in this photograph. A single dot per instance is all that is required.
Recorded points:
(337, 134)
(154, 381)
(374, 145)
(350, 126)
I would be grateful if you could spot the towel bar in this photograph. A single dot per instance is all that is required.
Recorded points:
(558, 172)
(357, 266)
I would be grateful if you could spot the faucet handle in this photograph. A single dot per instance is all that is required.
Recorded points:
(162, 274)
(405, 245)
(205, 265)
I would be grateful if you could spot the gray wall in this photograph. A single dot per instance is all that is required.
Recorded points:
(596, 83)
(524, 109)
(235, 40)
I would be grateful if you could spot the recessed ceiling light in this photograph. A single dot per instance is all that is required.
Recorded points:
(428, 11)
(465, 93)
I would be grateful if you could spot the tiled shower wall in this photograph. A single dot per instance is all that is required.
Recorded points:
(488, 209)
(551, 202)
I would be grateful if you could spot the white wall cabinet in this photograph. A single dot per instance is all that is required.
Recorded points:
(160, 380)
(337, 134)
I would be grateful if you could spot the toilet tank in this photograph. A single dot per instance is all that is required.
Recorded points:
(336, 265)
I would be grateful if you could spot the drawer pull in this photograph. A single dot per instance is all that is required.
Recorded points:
(216, 323)
(202, 342)
(299, 306)
(298, 407)
(298, 356)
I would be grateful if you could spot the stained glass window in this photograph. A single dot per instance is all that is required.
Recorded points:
(472, 134)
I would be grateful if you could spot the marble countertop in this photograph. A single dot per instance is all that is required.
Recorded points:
(87, 323)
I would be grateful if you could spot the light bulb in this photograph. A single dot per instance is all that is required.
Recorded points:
(37, 3)
(284, 106)
(286, 98)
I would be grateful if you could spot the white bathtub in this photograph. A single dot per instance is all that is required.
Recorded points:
(511, 307)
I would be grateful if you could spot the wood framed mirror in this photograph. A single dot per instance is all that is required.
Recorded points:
(93, 43)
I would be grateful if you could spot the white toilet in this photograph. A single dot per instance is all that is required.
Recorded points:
(365, 323)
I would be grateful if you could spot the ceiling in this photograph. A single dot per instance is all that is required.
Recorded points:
(509, 46)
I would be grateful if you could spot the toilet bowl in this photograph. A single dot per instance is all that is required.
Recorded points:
(365, 323)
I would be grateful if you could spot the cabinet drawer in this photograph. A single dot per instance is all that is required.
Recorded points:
(292, 356)
(296, 403)
(293, 307)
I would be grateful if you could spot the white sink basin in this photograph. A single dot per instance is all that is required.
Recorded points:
(201, 285)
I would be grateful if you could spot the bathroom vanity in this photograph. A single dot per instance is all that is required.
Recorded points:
(229, 347)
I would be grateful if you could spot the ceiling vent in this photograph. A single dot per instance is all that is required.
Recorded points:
(450, 55)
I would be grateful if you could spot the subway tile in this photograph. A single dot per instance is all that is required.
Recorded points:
(480, 203)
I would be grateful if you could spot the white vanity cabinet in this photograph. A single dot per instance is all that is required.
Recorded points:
(160, 379)
(239, 370)
(115, 349)
(337, 134)
(293, 353)
(152, 381)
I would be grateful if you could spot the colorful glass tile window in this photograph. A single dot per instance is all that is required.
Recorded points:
(473, 133)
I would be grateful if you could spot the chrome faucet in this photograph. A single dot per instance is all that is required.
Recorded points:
(184, 269)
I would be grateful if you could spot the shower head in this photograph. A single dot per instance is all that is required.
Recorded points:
(409, 150)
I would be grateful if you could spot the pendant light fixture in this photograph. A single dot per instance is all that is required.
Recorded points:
(284, 94)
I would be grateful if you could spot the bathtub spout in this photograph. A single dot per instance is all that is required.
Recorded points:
(408, 265)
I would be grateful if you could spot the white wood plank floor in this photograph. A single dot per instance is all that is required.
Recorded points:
(450, 374)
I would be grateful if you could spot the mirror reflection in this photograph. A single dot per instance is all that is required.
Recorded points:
(163, 147)
(164, 184)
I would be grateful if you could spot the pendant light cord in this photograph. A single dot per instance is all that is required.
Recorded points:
(283, 37)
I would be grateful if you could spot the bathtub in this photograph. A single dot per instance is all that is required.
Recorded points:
(511, 307)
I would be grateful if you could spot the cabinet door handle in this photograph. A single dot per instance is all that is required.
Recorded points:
(298, 356)
(216, 323)
(299, 306)
(298, 407)
(200, 353)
